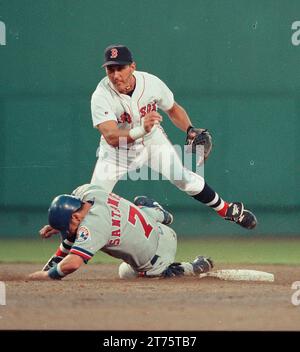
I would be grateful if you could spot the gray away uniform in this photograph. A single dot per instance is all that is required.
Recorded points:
(122, 230)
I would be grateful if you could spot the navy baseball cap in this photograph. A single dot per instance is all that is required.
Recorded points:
(117, 55)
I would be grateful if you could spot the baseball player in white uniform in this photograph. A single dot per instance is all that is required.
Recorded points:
(98, 220)
(125, 111)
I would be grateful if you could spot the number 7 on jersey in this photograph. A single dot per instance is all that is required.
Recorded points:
(135, 214)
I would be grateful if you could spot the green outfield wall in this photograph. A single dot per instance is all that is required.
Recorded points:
(233, 64)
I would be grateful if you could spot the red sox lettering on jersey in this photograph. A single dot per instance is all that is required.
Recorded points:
(146, 109)
(125, 117)
(150, 94)
(127, 111)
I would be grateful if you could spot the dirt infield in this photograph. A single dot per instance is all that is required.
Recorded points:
(95, 299)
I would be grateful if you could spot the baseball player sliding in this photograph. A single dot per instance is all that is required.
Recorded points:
(97, 220)
(125, 111)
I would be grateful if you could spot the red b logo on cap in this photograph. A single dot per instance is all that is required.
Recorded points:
(114, 53)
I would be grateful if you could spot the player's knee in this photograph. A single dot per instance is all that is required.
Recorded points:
(191, 188)
(183, 184)
(126, 271)
(179, 184)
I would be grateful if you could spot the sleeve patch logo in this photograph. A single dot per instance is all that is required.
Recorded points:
(83, 234)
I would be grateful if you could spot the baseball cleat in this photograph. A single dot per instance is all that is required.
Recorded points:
(52, 262)
(247, 220)
(202, 265)
(241, 216)
(234, 211)
(143, 201)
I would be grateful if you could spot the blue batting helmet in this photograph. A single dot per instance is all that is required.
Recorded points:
(61, 210)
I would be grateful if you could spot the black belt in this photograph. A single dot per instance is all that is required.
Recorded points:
(154, 259)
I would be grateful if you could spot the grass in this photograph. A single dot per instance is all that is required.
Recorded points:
(222, 250)
(242, 250)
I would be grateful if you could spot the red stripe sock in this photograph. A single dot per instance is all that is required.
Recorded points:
(222, 212)
(60, 253)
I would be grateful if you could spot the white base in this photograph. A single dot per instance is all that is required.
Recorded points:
(240, 275)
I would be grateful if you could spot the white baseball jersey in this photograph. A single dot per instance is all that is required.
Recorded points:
(150, 93)
(117, 227)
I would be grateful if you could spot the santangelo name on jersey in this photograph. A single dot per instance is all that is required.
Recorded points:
(113, 202)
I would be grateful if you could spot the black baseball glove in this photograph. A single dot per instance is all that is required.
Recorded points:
(174, 269)
(199, 137)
